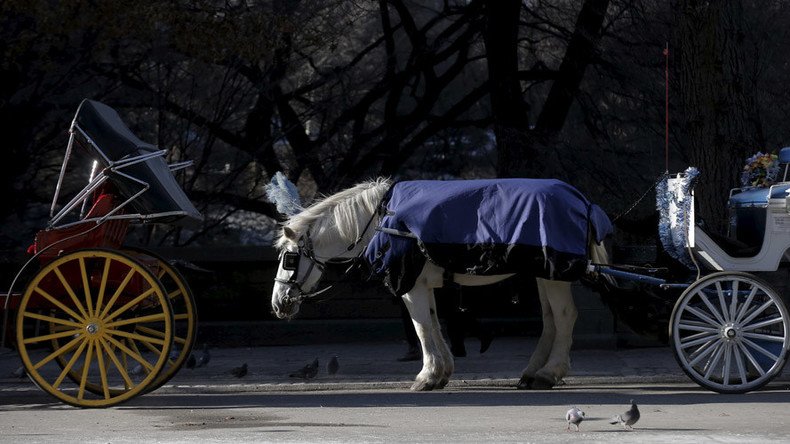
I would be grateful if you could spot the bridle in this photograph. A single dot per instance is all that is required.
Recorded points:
(304, 248)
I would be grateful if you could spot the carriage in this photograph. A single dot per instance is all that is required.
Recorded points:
(98, 322)
(728, 329)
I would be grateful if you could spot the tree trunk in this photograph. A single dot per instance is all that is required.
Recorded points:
(720, 116)
(508, 109)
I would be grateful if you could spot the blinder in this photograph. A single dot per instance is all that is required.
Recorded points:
(291, 260)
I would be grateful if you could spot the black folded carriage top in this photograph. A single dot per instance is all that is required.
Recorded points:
(137, 169)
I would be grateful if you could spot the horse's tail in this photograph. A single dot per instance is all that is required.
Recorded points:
(599, 255)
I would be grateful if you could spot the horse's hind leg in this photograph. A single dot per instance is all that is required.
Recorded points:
(418, 301)
(541, 354)
(441, 344)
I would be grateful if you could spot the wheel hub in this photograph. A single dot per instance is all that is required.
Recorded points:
(729, 332)
(93, 327)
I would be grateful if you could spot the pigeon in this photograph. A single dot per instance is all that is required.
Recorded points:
(333, 366)
(174, 354)
(204, 357)
(137, 370)
(574, 416)
(19, 373)
(191, 362)
(627, 419)
(239, 372)
(307, 372)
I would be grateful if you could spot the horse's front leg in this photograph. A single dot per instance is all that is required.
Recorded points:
(542, 350)
(558, 294)
(432, 375)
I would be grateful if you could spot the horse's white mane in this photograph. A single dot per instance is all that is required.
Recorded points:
(341, 216)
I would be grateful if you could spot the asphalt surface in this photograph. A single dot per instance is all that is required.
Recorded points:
(368, 401)
(371, 365)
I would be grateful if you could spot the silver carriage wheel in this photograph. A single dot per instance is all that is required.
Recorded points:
(729, 332)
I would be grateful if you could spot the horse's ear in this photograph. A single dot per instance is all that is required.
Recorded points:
(289, 234)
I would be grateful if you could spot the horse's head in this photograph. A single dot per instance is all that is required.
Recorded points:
(342, 225)
(297, 275)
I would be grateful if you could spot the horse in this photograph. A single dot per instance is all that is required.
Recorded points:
(340, 227)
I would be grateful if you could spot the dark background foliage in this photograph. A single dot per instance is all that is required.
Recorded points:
(332, 92)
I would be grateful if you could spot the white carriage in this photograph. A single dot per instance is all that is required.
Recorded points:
(729, 328)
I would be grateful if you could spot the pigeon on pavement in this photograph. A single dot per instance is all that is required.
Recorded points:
(333, 366)
(627, 419)
(191, 362)
(574, 416)
(19, 373)
(204, 357)
(307, 372)
(137, 370)
(239, 372)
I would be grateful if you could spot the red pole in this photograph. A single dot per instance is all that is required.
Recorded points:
(666, 107)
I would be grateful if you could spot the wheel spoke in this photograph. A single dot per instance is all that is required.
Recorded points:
(70, 364)
(724, 312)
(52, 319)
(86, 285)
(54, 301)
(701, 340)
(710, 306)
(51, 336)
(761, 309)
(71, 293)
(128, 383)
(702, 352)
(693, 327)
(117, 293)
(734, 300)
(85, 370)
(760, 349)
(725, 372)
(130, 304)
(751, 358)
(711, 365)
(762, 324)
(739, 363)
(105, 386)
(59, 352)
(698, 313)
(130, 353)
(746, 304)
(764, 337)
(136, 337)
(138, 320)
(150, 331)
(103, 285)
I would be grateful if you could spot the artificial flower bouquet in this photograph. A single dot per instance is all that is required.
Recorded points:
(761, 170)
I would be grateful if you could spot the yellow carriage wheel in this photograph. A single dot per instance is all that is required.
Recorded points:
(182, 304)
(78, 328)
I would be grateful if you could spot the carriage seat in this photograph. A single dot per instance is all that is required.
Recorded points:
(747, 213)
(85, 234)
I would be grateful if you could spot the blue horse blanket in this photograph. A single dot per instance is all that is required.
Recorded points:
(484, 227)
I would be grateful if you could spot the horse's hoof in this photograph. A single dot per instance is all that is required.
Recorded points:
(442, 383)
(525, 383)
(542, 383)
(423, 386)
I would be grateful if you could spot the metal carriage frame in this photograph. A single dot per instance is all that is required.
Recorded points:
(730, 329)
(99, 322)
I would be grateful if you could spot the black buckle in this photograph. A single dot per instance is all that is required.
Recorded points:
(290, 261)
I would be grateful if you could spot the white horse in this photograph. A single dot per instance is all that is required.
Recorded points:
(340, 226)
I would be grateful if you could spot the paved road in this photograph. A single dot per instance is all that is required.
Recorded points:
(369, 401)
